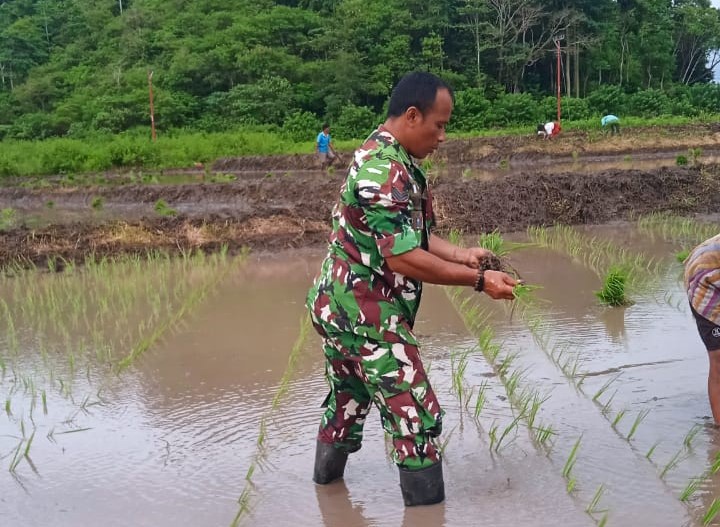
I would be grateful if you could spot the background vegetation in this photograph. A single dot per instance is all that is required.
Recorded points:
(79, 68)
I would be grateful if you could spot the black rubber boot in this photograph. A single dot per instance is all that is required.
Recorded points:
(329, 463)
(422, 487)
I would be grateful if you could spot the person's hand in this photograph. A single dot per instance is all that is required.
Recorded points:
(499, 285)
(472, 256)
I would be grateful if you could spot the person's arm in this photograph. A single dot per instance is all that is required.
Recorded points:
(469, 257)
(426, 267)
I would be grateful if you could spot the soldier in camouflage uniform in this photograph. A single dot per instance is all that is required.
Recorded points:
(364, 301)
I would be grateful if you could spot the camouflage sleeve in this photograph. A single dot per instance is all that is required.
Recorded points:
(383, 190)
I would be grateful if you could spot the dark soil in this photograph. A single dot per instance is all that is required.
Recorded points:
(277, 212)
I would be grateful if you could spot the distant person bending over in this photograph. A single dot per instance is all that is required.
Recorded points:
(324, 148)
(548, 130)
(612, 122)
(702, 281)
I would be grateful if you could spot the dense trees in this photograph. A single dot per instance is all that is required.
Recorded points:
(75, 67)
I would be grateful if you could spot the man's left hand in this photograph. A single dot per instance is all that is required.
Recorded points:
(472, 256)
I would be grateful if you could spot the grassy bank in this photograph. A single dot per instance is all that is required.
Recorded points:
(66, 156)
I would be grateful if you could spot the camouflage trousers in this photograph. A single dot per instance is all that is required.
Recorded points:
(391, 376)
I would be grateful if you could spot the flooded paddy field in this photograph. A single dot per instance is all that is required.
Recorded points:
(187, 391)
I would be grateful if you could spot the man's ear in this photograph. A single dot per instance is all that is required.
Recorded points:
(413, 115)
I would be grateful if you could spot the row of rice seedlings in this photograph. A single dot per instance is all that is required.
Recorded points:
(61, 296)
(677, 228)
(695, 482)
(525, 402)
(618, 267)
(261, 450)
(681, 455)
(530, 403)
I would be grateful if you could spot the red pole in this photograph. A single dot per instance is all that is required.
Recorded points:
(152, 108)
(557, 42)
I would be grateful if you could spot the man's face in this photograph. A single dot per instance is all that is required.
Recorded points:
(428, 131)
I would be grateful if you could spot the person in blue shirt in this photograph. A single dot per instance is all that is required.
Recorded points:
(324, 148)
(613, 122)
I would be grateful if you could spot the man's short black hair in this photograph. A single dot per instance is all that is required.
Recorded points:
(418, 89)
(325, 125)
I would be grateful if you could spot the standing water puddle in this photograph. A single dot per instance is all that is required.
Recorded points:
(214, 420)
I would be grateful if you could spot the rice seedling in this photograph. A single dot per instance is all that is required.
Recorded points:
(592, 506)
(571, 483)
(695, 482)
(681, 160)
(572, 458)
(542, 434)
(690, 489)
(492, 434)
(673, 462)
(651, 451)
(605, 387)
(642, 414)
(606, 407)
(613, 292)
(443, 445)
(494, 242)
(618, 417)
(513, 426)
(712, 511)
(603, 520)
(691, 435)
(481, 399)
(682, 255)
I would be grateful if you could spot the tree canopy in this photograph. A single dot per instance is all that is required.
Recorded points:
(75, 67)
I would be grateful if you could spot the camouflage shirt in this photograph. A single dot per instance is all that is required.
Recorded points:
(385, 209)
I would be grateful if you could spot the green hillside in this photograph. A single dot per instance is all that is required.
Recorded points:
(80, 67)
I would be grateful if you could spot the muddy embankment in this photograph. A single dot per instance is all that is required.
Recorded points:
(523, 151)
(278, 212)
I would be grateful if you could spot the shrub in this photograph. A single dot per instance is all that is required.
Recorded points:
(470, 110)
(301, 126)
(354, 122)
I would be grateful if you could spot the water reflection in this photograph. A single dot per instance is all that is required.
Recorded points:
(614, 320)
(336, 507)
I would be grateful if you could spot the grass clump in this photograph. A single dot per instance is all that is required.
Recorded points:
(163, 209)
(613, 292)
(97, 202)
(7, 218)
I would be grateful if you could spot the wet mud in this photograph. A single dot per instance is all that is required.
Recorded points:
(280, 202)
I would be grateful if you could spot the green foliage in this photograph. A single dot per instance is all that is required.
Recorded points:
(163, 209)
(681, 160)
(78, 68)
(302, 126)
(355, 122)
(7, 218)
(97, 202)
(614, 285)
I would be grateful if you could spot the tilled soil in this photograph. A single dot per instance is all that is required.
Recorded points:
(277, 212)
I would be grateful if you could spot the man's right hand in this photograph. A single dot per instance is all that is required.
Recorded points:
(499, 285)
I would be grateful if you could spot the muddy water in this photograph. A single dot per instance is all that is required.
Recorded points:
(169, 441)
